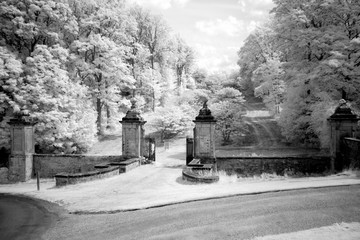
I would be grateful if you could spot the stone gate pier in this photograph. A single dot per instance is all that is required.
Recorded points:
(22, 150)
(204, 136)
(200, 153)
(133, 134)
(343, 124)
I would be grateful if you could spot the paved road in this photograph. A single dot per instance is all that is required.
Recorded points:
(240, 217)
(24, 218)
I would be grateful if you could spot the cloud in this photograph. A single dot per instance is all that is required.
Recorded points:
(234, 48)
(216, 62)
(203, 50)
(255, 3)
(230, 26)
(162, 4)
(256, 7)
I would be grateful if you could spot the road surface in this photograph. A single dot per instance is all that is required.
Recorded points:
(24, 218)
(241, 217)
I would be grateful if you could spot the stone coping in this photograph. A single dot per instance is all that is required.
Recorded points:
(76, 155)
(305, 157)
(353, 139)
(126, 162)
(342, 117)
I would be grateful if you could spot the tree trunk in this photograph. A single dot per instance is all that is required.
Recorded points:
(108, 116)
(179, 75)
(99, 119)
(153, 100)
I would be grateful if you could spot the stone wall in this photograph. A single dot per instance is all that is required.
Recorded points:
(51, 164)
(249, 166)
(352, 153)
(63, 179)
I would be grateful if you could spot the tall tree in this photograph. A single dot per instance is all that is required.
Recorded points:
(100, 56)
(257, 49)
(183, 61)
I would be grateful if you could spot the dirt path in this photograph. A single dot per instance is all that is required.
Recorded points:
(266, 131)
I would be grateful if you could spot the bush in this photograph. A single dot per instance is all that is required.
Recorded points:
(229, 119)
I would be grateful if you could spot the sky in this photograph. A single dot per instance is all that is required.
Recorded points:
(215, 29)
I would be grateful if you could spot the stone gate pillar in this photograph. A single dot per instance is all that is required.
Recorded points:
(22, 150)
(204, 135)
(133, 138)
(343, 123)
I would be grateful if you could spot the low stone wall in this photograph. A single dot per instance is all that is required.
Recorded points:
(249, 166)
(199, 175)
(127, 165)
(352, 153)
(63, 179)
(199, 172)
(97, 172)
(51, 164)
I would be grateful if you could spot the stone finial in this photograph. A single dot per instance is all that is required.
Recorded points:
(133, 114)
(22, 118)
(343, 111)
(205, 114)
(343, 104)
(133, 103)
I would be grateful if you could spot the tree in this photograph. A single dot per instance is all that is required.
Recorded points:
(100, 66)
(183, 61)
(100, 57)
(26, 23)
(170, 121)
(320, 42)
(258, 48)
(227, 110)
(269, 83)
(229, 119)
(305, 58)
(149, 55)
(59, 105)
(10, 79)
(35, 74)
(63, 61)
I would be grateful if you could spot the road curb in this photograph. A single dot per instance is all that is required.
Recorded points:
(205, 199)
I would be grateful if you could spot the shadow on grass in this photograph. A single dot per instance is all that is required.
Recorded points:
(181, 181)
